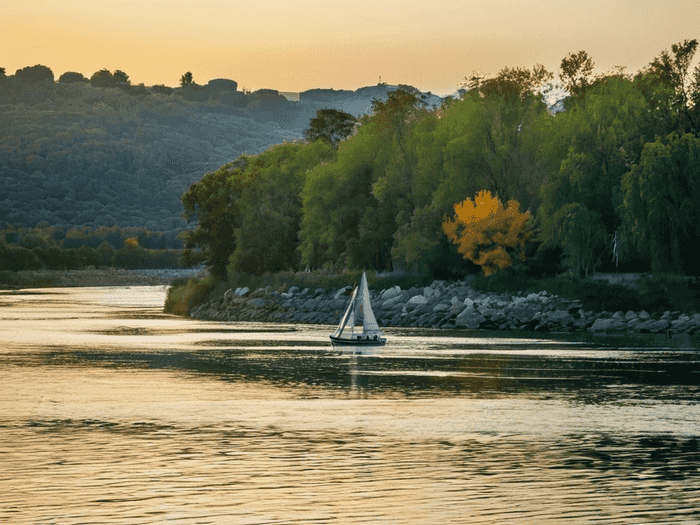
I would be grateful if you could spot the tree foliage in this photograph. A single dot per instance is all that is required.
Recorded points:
(248, 211)
(34, 74)
(186, 79)
(661, 203)
(486, 233)
(576, 73)
(330, 125)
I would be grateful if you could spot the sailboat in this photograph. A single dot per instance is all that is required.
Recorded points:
(359, 327)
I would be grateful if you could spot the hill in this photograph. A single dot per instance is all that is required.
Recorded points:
(76, 155)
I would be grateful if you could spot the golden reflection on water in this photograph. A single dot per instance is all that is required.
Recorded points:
(111, 412)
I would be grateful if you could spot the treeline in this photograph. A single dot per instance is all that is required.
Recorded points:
(612, 182)
(52, 248)
(95, 151)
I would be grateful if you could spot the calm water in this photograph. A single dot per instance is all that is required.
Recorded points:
(111, 412)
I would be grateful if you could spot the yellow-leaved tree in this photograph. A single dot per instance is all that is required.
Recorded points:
(484, 231)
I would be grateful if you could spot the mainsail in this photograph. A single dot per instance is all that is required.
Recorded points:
(359, 312)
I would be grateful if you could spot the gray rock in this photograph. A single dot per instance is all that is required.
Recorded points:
(342, 292)
(258, 302)
(608, 325)
(442, 307)
(560, 317)
(469, 318)
(521, 313)
(417, 299)
(658, 326)
(390, 293)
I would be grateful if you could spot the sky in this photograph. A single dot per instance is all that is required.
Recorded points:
(295, 45)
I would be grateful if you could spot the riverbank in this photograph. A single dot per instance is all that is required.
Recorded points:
(92, 277)
(446, 305)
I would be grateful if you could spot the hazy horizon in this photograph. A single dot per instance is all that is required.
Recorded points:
(347, 45)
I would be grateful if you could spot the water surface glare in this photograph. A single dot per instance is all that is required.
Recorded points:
(112, 412)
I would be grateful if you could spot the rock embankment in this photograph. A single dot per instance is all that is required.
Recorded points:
(441, 305)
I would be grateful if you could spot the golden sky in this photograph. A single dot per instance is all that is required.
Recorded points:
(294, 45)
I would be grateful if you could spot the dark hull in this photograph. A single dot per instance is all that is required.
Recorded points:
(340, 341)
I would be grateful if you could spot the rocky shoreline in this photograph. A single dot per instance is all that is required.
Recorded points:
(450, 305)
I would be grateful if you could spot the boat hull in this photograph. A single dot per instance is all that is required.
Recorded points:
(342, 341)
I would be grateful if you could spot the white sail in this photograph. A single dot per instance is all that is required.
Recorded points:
(359, 311)
(348, 319)
(369, 322)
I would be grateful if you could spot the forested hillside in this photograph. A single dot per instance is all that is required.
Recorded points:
(81, 152)
(612, 182)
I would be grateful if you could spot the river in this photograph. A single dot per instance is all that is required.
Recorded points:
(113, 412)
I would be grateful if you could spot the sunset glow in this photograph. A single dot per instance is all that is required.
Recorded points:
(299, 45)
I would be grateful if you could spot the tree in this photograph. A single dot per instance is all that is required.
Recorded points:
(661, 204)
(576, 73)
(213, 201)
(581, 234)
(331, 126)
(121, 77)
(186, 79)
(70, 76)
(34, 74)
(673, 71)
(485, 232)
(102, 78)
(510, 83)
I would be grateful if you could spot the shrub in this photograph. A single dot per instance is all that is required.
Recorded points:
(182, 298)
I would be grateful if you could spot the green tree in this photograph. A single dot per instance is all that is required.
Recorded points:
(102, 78)
(510, 83)
(576, 73)
(121, 77)
(34, 74)
(589, 148)
(267, 236)
(330, 125)
(673, 69)
(581, 234)
(213, 202)
(70, 77)
(661, 203)
(186, 79)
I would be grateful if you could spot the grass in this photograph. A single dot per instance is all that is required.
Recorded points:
(185, 294)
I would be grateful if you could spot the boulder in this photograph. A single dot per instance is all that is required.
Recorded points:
(390, 293)
(521, 313)
(560, 317)
(342, 292)
(416, 300)
(659, 326)
(469, 318)
(608, 325)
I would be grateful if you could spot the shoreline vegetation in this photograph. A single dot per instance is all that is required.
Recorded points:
(92, 277)
(636, 308)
